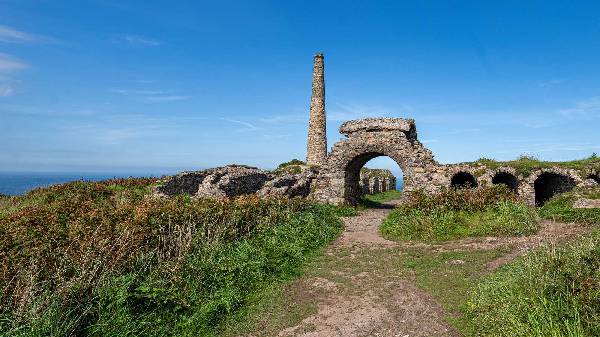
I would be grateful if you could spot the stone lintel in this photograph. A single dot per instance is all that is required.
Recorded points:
(378, 124)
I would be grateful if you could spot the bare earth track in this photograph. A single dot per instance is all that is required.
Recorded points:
(356, 295)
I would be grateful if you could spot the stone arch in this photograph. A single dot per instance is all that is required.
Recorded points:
(463, 179)
(506, 178)
(544, 183)
(352, 191)
(367, 139)
(548, 184)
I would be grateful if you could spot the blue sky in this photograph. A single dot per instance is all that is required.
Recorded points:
(154, 86)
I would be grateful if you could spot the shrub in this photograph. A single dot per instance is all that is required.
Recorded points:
(456, 213)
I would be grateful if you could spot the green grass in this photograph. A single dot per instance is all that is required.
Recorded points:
(560, 208)
(458, 214)
(376, 200)
(550, 292)
(104, 259)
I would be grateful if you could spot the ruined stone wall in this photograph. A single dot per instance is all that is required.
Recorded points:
(237, 180)
(373, 181)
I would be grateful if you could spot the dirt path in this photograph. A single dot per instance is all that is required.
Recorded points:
(367, 301)
(358, 294)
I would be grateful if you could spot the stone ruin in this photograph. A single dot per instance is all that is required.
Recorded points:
(373, 181)
(337, 177)
(236, 180)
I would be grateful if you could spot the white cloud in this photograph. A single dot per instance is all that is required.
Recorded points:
(551, 83)
(6, 90)
(9, 34)
(583, 108)
(166, 98)
(152, 95)
(10, 64)
(286, 119)
(243, 123)
(139, 92)
(13, 35)
(139, 40)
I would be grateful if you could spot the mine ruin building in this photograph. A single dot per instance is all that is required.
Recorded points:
(337, 176)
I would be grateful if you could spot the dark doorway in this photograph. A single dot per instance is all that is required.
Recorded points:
(463, 180)
(507, 179)
(549, 184)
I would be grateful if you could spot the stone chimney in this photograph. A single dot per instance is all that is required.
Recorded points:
(316, 152)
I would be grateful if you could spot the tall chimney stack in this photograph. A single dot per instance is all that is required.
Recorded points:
(316, 153)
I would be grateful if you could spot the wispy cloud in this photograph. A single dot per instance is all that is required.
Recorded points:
(550, 83)
(139, 40)
(152, 95)
(9, 64)
(13, 35)
(167, 98)
(286, 119)
(248, 125)
(6, 90)
(583, 108)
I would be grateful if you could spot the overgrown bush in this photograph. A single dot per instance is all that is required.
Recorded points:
(456, 213)
(550, 292)
(107, 259)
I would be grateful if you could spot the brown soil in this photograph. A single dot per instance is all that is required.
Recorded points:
(361, 298)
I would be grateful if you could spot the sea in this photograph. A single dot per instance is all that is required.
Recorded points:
(15, 183)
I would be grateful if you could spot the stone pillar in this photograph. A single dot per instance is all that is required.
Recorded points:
(316, 152)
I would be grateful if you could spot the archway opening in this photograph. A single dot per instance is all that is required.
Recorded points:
(548, 184)
(507, 179)
(595, 178)
(463, 180)
(371, 173)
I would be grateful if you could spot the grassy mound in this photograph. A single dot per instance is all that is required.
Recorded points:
(458, 213)
(550, 292)
(560, 208)
(106, 259)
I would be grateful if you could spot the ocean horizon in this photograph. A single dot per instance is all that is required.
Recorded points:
(17, 183)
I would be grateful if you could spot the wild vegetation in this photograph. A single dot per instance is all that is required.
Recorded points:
(106, 259)
(458, 213)
(524, 165)
(293, 166)
(560, 208)
(554, 291)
